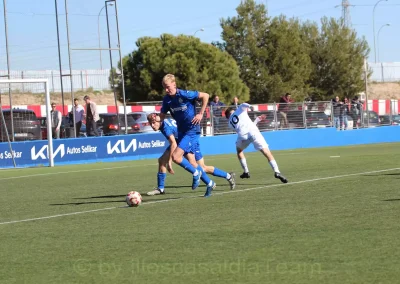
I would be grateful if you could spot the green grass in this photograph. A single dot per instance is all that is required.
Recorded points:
(339, 230)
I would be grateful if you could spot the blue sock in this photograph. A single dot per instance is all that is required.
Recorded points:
(161, 180)
(187, 166)
(204, 177)
(219, 173)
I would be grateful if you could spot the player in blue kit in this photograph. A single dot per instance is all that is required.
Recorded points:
(169, 129)
(182, 106)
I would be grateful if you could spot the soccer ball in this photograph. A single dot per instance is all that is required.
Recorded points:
(133, 199)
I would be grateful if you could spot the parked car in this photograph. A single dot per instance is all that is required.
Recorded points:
(114, 124)
(314, 119)
(317, 119)
(373, 119)
(26, 125)
(390, 120)
(141, 124)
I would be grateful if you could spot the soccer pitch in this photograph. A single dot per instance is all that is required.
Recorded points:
(336, 221)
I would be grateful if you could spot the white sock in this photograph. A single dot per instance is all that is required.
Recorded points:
(274, 166)
(196, 173)
(228, 176)
(210, 183)
(243, 163)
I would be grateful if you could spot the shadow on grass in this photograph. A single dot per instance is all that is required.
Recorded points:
(85, 203)
(102, 196)
(395, 199)
(112, 201)
(253, 184)
(386, 174)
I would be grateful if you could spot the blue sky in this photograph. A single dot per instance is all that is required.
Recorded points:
(33, 40)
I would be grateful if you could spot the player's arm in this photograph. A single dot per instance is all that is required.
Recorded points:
(203, 97)
(244, 106)
(259, 118)
(173, 145)
(164, 110)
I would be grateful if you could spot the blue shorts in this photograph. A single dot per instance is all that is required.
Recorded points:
(188, 142)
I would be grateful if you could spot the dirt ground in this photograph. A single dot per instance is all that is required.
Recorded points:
(99, 98)
(375, 91)
(384, 91)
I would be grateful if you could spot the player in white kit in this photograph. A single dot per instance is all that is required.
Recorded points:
(248, 133)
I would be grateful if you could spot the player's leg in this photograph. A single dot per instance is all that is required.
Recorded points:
(185, 146)
(230, 177)
(241, 145)
(198, 156)
(261, 145)
(162, 173)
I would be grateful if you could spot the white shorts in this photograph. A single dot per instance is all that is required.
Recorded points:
(256, 138)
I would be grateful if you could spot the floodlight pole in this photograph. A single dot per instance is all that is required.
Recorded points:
(366, 91)
(70, 67)
(8, 68)
(97, 49)
(59, 58)
(112, 71)
(122, 68)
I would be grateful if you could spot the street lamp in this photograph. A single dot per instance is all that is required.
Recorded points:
(201, 30)
(98, 32)
(373, 24)
(387, 25)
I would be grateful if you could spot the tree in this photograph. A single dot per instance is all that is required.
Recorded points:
(270, 53)
(196, 65)
(337, 57)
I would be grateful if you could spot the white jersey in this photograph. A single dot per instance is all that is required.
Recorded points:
(241, 122)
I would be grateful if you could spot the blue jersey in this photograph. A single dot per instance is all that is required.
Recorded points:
(182, 107)
(168, 128)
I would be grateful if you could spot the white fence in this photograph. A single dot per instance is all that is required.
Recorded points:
(385, 72)
(81, 79)
(98, 79)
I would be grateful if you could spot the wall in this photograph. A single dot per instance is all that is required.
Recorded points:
(84, 150)
(381, 107)
(306, 138)
(147, 146)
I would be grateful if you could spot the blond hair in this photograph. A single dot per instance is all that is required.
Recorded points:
(168, 78)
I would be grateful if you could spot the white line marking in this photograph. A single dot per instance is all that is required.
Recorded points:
(334, 156)
(216, 193)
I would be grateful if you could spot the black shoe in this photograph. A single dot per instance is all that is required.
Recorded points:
(281, 177)
(245, 175)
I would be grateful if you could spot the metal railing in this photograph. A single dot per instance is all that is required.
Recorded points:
(304, 115)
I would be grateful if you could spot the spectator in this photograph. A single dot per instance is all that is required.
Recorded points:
(356, 108)
(92, 116)
(309, 103)
(235, 103)
(283, 110)
(217, 106)
(337, 106)
(55, 121)
(345, 112)
(79, 114)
